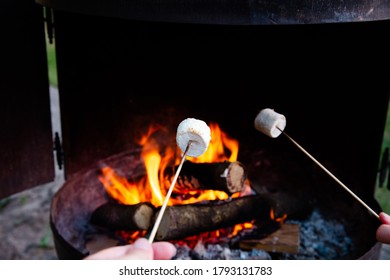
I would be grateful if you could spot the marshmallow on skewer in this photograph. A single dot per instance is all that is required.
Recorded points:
(197, 132)
(193, 137)
(270, 123)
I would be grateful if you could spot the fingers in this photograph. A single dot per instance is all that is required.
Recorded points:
(158, 251)
(163, 250)
(385, 218)
(116, 253)
(383, 233)
(141, 249)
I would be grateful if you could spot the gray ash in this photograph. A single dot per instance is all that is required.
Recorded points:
(322, 239)
(220, 251)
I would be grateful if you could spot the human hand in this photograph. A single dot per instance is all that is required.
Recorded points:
(383, 231)
(141, 249)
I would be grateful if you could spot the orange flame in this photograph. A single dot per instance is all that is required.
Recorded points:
(220, 143)
(277, 219)
(153, 187)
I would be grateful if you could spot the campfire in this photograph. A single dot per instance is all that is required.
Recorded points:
(216, 210)
(212, 196)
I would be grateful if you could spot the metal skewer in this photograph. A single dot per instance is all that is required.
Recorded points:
(165, 203)
(330, 174)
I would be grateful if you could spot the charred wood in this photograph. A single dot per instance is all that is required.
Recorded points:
(181, 221)
(123, 217)
(222, 176)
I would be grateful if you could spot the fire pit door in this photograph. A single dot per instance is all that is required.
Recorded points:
(26, 145)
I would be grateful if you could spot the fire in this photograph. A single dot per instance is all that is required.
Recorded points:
(277, 219)
(152, 188)
(154, 185)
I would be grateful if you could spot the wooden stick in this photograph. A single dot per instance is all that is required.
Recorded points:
(165, 203)
(330, 174)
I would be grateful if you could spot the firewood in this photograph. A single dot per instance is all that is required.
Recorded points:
(180, 221)
(123, 217)
(284, 240)
(223, 176)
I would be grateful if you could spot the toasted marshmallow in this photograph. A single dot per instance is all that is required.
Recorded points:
(196, 132)
(270, 123)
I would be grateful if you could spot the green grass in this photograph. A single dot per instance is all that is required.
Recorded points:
(52, 63)
(382, 194)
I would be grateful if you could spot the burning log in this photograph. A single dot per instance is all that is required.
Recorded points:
(181, 221)
(223, 176)
(123, 217)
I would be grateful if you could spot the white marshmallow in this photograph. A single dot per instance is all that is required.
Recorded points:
(270, 123)
(196, 131)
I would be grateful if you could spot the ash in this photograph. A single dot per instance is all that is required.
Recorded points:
(320, 239)
(218, 252)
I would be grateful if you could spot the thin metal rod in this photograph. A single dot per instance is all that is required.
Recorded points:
(165, 203)
(330, 174)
